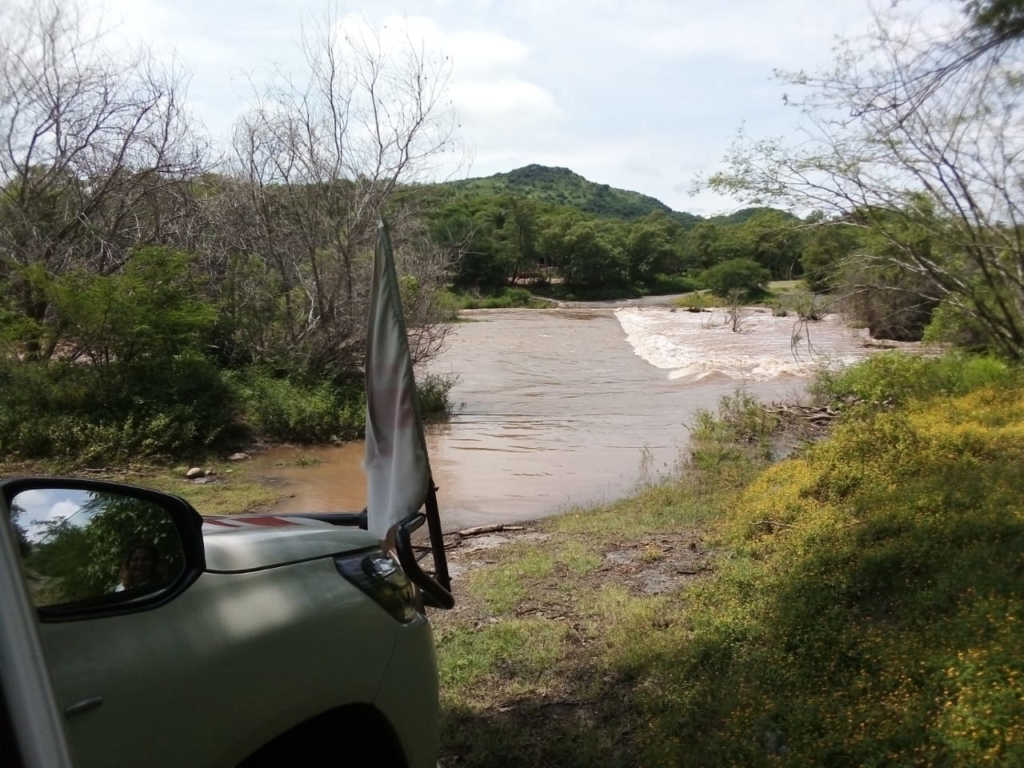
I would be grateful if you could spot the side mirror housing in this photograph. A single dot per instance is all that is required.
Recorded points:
(91, 548)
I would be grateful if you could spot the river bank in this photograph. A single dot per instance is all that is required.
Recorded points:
(856, 604)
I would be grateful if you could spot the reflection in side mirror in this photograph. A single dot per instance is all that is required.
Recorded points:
(83, 545)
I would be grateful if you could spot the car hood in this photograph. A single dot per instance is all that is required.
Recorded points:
(248, 542)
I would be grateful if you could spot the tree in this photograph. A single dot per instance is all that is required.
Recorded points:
(317, 160)
(522, 235)
(94, 151)
(737, 278)
(654, 247)
(702, 246)
(774, 240)
(914, 131)
(150, 309)
(586, 252)
(827, 245)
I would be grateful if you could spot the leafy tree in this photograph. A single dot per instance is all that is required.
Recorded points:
(654, 247)
(151, 308)
(702, 246)
(774, 240)
(521, 233)
(827, 245)
(479, 262)
(586, 252)
(1001, 19)
(914, 133)
(743, 277)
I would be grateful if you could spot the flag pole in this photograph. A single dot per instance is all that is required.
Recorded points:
(437, 538)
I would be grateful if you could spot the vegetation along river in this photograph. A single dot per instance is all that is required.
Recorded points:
(575, 406)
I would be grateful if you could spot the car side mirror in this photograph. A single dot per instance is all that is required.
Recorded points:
(91, 548)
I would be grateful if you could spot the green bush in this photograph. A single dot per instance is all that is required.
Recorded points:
(505, 298)
(886, 568)
(893, 378)
(661, 285)
(434, 391)
(699, 300)
(116, 413)
(740, 430)
(290, 409)
(742, 277)
(282, 408)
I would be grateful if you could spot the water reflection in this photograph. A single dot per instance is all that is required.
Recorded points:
(559, 407)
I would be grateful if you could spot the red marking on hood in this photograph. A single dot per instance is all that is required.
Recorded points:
(267, 520)
(216, 521)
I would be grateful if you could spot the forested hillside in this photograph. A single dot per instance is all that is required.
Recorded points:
(561, 186)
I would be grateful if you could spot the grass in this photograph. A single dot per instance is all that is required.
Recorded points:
(863, 605)
(779, 287)
(234, 487)
(506, 298)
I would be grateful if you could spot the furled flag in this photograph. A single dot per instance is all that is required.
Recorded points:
(397, 466)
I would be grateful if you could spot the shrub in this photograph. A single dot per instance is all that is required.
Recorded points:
(434, 391)
(698, 301)
(505, 298)
(660, 285)
(119, 412)
(282, 408)
(887, 560)
(893, 378)
(740, 429)
(737, 276)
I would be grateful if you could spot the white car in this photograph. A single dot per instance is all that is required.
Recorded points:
(248, 641)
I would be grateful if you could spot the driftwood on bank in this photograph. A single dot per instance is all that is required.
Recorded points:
(479, 530)
(809, 421)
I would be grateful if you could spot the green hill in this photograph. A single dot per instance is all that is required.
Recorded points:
(561, 186)
(743, 215)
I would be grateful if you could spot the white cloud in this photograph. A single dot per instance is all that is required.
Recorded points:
(62, 510)
(510, 103)
(43, 506)
(635, 93)
(481, 54)
(489, 91)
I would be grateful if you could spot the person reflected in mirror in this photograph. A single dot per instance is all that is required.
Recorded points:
(141, 568)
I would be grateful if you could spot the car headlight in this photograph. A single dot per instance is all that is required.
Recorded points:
(380, 577)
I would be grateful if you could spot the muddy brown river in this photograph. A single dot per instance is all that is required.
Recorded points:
(575, 406)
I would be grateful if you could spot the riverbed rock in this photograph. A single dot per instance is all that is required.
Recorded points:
(195, 473)
(239, 457)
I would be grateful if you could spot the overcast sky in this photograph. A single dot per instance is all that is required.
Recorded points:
(639, 94)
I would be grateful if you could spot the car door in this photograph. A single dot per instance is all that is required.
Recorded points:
(93, 561)
(31, 726)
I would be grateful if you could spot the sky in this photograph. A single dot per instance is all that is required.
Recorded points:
(644, 95)
(43, 505)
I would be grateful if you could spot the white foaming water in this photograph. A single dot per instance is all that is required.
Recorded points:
(696, 345)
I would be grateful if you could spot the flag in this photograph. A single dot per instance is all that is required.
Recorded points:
(397, 466)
